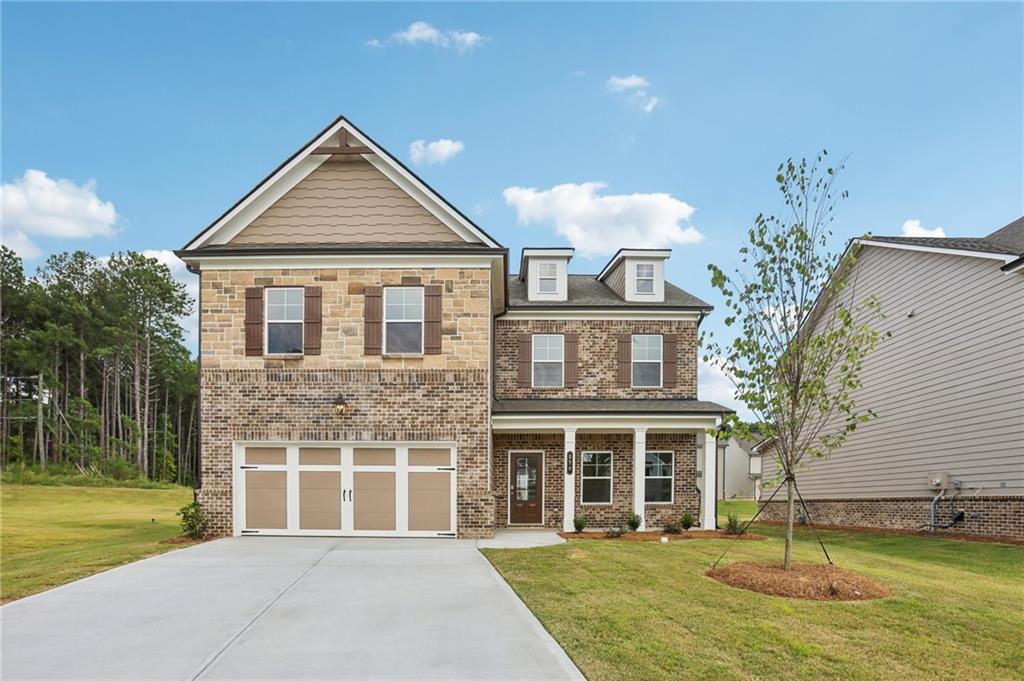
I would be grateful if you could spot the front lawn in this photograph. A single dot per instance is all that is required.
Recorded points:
(625, 610)
(53, 535)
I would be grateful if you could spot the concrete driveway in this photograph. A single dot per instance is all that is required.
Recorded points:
(295, 608)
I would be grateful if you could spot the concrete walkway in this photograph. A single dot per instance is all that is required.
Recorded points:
(520, 538)
(275, 607)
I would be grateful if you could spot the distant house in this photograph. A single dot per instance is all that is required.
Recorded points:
(946, 450)
(739, 470)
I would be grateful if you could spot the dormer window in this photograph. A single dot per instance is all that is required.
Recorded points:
(645, 278)
(547, 277)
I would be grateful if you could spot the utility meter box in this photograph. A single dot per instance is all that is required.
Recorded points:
(938, 480)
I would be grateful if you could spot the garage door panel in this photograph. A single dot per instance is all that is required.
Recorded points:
(319, 456)
(266, 499)
(373, 497)
(367, 456)
(266, 456)
(419, 456)
(319, 500)
(430, 501)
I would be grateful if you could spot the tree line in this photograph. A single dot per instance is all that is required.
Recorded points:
(94, 370)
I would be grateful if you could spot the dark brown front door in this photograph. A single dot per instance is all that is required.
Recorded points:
(526, 489)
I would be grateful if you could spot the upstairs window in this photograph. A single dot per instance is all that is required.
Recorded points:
(596, 478)
(548, 361)
(647, 361)
(547, 277)
(658, 478)
(284, 321)
(645, 278)
(403, 320)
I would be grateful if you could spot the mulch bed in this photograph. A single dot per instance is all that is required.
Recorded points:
(656, 536)
(805, 580)
(185, 539)
(984, 539)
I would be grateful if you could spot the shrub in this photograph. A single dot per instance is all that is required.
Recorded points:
(732, 524)
(687, 521)
(615, 532)
(119, 469)
(672, 528)
(193, 521)
(580, 523)
(634, 521)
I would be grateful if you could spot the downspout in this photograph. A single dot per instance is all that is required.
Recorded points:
(932, 507)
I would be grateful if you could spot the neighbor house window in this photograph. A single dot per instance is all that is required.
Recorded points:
(284, 321)
(548, 360)
(645, 278)
(403, 320)
(646, 361)
(547, 277)
(596, 476)
(658, 478)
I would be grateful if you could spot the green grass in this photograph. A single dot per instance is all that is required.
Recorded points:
(744, 508)
(53, 535)
(646, 611)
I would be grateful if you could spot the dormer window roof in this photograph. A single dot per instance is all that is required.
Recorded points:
(545, 271)
(637, 274)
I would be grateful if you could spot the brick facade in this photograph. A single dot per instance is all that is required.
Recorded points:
(992, 516)
(598, 366)
(683, 445)
(442, 397)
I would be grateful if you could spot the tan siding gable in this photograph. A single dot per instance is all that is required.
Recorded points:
(946, 386)
(342, 202)
(616, 279)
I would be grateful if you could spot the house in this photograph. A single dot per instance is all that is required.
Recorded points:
(946, 450)
(738, 470)
(369, 366)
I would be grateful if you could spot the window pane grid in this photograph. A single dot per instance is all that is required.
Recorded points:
(548, 355)
(596, 478)
(658, 477)
(403, 320)
(645, 278)
(646, 353)
(285, 309)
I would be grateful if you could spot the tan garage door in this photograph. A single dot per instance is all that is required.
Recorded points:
(371, 490)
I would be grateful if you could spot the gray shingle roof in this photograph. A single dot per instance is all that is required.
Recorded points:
(1012, 235)
(649, 406)
(1008, 240)
(586, 291)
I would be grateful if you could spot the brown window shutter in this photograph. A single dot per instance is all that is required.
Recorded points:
(254, 321)
(625, 356)
(432, 319)
(525, 360)
(313, 318)
(373, 316)
(572, 359)
(669, 361)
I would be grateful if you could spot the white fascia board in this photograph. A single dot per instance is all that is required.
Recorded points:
(605, 313)
(662, 254)
(936, 249)
(383, 261)
(603, 421)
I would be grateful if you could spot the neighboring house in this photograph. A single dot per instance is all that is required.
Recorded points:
(738, 473)
(369, 366)
(948, 389)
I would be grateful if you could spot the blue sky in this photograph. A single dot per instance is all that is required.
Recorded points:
(146, 121)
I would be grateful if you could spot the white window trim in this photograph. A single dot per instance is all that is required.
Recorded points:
(653, 279)
(610, 478)
(384, 322)
(541, 277)
(533, 362)
(540, 488)
(672, 486)
(633, 362)
(267, 322)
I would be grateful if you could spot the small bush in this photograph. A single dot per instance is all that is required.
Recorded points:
(672, 528)
(634, 521)
(615, 532)
(732, 524)
(119, 469)
(687, 521)
(193, 521)
(580, 523)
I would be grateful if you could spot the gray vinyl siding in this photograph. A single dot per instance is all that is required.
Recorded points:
(948, 386)
(616, 279)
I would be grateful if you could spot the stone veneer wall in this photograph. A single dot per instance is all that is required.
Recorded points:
(598, 362)
(442, 397)
(684, 446)
(992, 516)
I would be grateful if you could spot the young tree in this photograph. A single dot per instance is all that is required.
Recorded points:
(802, 329)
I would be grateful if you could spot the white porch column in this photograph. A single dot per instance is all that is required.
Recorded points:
(639, 461)
(569, 488)
(709, 490)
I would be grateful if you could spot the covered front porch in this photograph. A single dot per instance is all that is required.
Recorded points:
(612, 464)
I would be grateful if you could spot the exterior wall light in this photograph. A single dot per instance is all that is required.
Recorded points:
(342, 407)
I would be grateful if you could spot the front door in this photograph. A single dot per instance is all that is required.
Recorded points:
(526, 493)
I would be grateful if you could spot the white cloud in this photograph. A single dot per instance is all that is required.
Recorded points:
(714, 385)
(635, 90)
(37, 205)
(438, 151)
(598, 224)
(914, 228)
(422, 33)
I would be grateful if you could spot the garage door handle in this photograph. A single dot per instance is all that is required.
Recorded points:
(248, 467)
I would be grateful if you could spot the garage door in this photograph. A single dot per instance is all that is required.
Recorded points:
(345, 490)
